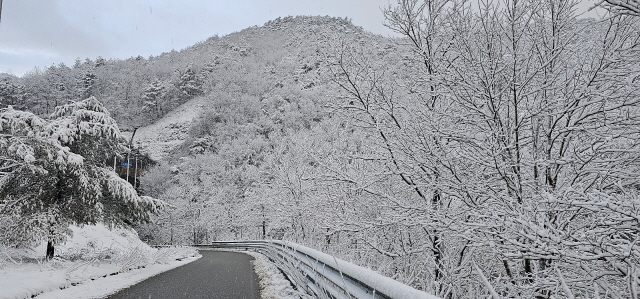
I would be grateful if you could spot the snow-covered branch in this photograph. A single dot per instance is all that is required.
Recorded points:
(622, 7)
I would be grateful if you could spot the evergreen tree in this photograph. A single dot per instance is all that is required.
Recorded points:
(60, 82)
(100, 62)
(85, 84)
(189, 84)
(53, 174)
(152, 97)
(11, 92)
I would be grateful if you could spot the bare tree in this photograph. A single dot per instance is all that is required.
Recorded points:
(522, 120)
(622, 7)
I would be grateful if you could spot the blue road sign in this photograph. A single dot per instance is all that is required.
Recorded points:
(126, 164)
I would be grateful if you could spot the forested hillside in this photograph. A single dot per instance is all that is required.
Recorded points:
(283, 54)
(489, 152)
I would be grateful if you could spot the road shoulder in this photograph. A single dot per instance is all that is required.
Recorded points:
(104, 286)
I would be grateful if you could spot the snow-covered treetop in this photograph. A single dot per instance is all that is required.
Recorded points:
(16, 122)
(88, 129)
(26, 138)
(76, 130)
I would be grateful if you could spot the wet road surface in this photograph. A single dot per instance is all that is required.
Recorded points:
(216, 275)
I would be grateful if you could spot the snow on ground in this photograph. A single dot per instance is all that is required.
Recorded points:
(92, 237)
(159, 138)
(93, 263)
(100, 288)
(273, 285)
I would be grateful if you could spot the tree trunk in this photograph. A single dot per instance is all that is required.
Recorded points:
(50, 250)
(436, 243)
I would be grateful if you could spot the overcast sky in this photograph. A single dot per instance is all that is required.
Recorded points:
(45, 32)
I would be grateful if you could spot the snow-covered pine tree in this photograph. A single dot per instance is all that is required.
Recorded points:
(152, 96)
(11, 92)
(100, 62)
(59, 81)
(190, 85)
(53, 174)
(84, 84)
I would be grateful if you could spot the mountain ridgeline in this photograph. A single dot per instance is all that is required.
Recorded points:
(285, 54)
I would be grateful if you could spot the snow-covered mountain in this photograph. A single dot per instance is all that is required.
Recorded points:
(275, 77)
(490, 153)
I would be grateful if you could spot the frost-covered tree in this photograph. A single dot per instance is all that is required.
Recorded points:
(152, 99)
(11, 92)
(622, 7)
(85, 84)
(189, 83)
(53, 174)
(60, 89)
(523, 121)
(100, 62)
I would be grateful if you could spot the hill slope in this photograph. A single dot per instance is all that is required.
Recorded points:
(162, 137)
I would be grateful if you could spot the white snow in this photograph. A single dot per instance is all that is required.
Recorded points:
(159, 138)
(99, 236)
(102, 287)
(93, 263)
(384, 284)
(273, 285)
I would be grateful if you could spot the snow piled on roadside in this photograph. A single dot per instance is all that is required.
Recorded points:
(94, 259)
(103, 287)
(273, 285)
(94, 241)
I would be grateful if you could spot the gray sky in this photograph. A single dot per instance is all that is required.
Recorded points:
(45, 32)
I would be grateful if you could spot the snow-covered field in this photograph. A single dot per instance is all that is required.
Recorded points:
(94, 263)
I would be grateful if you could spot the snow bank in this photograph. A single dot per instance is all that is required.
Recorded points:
(273, 285)
(100, 288)
(96, 258)
(93, 238)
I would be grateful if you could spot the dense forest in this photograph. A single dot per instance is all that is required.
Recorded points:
(485, 152)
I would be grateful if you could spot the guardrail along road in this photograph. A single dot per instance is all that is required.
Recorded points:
(324, 276)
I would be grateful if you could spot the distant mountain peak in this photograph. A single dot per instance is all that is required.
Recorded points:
(308, 22)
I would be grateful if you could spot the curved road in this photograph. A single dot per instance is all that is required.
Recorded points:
(217, 274)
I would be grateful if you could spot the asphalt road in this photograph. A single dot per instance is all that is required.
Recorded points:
(216, 275)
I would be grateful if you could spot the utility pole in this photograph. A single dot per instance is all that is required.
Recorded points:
(128, 155)
(135, 174)
(171, 224)
(128, 167)
(264, 223)
(0, 10)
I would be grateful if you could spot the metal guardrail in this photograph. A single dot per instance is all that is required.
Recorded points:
(324, 276)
